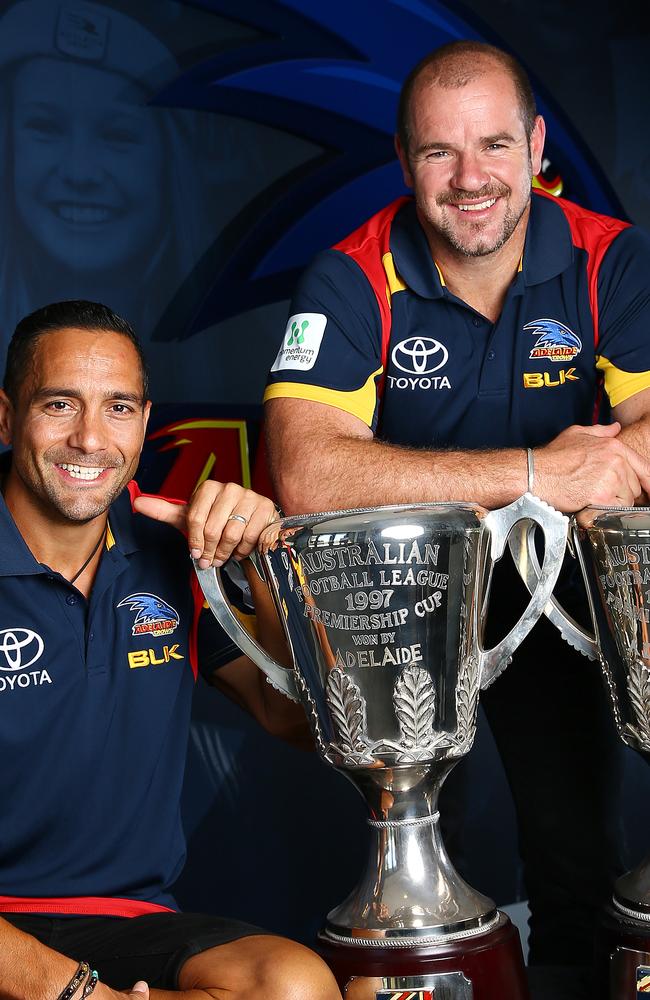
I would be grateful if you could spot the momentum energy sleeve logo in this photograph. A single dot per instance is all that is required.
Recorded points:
(301, 344)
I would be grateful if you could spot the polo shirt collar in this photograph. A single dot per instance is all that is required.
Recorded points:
(16, 558)
(122, 524)
(412, 256)
(548, 248)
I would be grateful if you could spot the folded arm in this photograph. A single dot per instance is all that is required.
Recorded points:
(323, 458)
(634, 416)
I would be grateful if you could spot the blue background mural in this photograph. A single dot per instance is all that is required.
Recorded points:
(182, 161)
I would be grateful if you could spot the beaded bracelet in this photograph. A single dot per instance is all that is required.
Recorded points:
(90, 984)
(75, 982)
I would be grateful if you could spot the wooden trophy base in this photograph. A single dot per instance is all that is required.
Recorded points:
(489, 966)
(623, 957)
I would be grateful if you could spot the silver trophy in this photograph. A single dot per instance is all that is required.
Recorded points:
(612, 545)
(383, 610)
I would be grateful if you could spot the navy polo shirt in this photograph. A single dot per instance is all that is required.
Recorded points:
(375, 331)
(94, 715)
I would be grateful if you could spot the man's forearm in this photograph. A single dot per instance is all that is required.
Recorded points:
(245, 683)
(30, 970)
(637, 436)
(354, 472)
(323, 459)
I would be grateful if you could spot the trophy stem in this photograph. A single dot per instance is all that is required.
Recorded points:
(410, 893)
(632, 893)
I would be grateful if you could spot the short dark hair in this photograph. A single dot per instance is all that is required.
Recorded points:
(439, 65)
(77, 313)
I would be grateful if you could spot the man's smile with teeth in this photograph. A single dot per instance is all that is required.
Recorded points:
(77, 213)
(477, 206)
(81, 471)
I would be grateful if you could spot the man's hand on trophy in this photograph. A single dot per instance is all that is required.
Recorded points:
(220, 520)
(590, 465)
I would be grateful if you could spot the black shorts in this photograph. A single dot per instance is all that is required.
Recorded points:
(153, 947)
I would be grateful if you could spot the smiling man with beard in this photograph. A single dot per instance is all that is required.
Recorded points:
(455, 348)
(103, 631)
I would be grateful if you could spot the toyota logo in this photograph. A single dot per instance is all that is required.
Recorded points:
(19, 648)
(419, 355)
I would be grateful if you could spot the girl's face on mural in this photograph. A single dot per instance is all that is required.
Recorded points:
(88, 165)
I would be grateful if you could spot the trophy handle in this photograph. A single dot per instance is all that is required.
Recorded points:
(522, 547)
(211, 583)
(500, 523)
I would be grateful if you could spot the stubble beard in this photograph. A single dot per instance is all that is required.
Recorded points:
(79, 509)
(466, 245)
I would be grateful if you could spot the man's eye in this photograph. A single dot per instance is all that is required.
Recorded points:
(121, 408)
(121, 136)
(497, 145)
(59, 405)
(437, 154)
(42, 126)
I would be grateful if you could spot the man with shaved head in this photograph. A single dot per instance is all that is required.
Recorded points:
(455, 348)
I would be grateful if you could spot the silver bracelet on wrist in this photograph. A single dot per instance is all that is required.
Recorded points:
(530, 464)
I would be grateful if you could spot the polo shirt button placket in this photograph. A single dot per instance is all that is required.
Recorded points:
(96, 652)
(493, 379)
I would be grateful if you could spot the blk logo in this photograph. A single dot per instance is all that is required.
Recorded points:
(147, 657)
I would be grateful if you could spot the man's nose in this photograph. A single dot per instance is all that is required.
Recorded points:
(88, 433)
(81, 166)
(470, 173)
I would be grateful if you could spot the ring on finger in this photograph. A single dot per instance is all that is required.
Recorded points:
(238, 517)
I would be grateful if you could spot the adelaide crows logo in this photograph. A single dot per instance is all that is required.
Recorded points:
(555, 341)
(153, 615)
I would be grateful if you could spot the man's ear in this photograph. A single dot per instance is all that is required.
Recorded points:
(6, 418)
(404, 162)
(146, 411)
(537, 138)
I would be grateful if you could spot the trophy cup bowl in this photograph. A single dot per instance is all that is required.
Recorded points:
(612, 545)
(383, 612)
